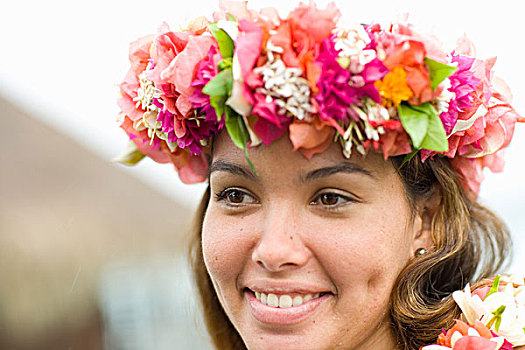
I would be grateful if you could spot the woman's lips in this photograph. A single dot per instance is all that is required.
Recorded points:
(287, 315)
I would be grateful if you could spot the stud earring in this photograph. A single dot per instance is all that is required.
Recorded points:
(420, 251)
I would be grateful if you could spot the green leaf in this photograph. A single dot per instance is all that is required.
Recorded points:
(226, 45)
(407, 158)
(131, 155)
(238, 133)
(495, 286)
(217, 102)
(225, 63)
(236, 128)
(219, 89)
(438, 72)
(415, 122)
(424, 126)
(343, 61)
(220, 85)
(230, 17)
(496, 319)
(436, 138)
(249, 161)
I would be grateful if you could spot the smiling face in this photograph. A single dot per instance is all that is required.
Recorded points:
(304, 254)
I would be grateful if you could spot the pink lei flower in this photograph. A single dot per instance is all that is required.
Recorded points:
(139, 57)
(339, 87)
(177, 57)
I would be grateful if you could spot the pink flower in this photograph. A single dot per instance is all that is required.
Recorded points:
(138, 56)
(463, 85)
(301, 35)
(469, 337)
(238, 9)
(156, 149)
(310, 25)
(394, 142)
(177, 57)
(191, 168)
(480, 120)
(247, 51)
(270, 125)
(336, 92)
(206, 71)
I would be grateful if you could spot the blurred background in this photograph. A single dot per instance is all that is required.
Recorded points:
(92, 254)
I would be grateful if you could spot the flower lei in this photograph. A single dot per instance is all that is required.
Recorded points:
(495, 318)
(387, 89)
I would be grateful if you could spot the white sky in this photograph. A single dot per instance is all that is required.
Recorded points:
(62, 60)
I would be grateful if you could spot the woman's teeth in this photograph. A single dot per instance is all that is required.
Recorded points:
(284, 301)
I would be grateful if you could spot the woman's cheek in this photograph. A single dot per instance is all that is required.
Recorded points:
(363, 254)
(224, 246)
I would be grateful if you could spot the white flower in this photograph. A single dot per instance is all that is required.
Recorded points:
(512, 325)
(443, 100)
(502, 311)
(362, 130)
(285, 86)
(471, 306)
(351, 42)
(146, 93)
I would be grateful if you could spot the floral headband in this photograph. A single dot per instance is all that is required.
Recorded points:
(368, 87)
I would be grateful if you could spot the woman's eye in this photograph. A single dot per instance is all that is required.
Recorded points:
(235, 197)
(331, 200)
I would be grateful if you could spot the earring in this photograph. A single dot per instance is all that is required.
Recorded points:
(420, 251)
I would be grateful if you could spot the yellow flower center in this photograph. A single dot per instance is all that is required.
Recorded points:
(394, 87)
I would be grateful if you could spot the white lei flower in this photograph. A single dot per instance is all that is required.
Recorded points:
(285, 86)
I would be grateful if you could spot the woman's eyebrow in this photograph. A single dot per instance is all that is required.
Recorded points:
(231, 168)
(349, 168)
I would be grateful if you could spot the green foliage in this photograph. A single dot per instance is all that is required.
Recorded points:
(219, 89)
(438, 72)
(131, 156)
(236, 128)
(495, 286)
(424, 126)
(226, 45)
(238, 133)
(230, 17)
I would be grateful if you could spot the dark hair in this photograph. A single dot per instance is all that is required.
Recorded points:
(469, 243)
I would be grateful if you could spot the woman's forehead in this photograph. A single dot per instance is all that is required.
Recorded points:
(280, 157)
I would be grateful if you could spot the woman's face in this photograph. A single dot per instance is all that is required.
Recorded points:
(304, 254)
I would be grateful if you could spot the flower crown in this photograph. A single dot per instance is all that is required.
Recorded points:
(387, 89)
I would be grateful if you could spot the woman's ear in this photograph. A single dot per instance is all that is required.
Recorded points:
(426, 212)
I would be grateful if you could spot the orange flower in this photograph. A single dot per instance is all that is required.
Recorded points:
(310, 138)
(463, 328)
(408, 49)
(394, 86)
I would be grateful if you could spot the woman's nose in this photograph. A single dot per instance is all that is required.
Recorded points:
(280, 246)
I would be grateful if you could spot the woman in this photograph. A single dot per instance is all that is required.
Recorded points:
(356, 220)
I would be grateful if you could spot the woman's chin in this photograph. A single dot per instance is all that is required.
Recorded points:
(265, 340)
